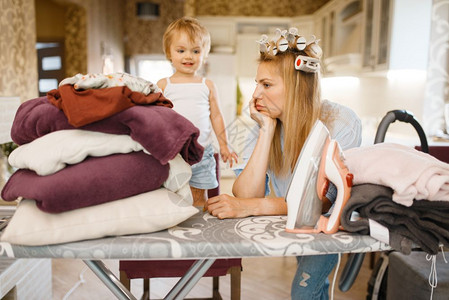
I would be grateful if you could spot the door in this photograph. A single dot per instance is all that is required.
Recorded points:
(50, 56)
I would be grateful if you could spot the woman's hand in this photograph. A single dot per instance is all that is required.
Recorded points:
(261, 118)
(226, 207)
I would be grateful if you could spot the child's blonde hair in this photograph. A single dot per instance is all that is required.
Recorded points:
(194, 30)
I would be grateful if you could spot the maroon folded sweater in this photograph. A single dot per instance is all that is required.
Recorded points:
(160, 130)
(94, 181)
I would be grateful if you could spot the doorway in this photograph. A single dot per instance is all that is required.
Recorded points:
(50, 61)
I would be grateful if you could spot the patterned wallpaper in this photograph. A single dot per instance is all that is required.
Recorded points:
(18, 56)
(75, 41)
(437, 86)
(145, 36)
(278, 8)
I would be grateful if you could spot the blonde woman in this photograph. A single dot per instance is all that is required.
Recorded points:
(286, 103)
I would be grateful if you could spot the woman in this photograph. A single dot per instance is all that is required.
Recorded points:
(286, 103)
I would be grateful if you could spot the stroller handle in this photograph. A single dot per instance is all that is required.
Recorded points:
(403, 116)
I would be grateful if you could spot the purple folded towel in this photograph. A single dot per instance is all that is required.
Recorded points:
(94, 181)
(160, 130)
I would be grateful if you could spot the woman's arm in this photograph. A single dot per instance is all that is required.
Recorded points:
(251, 182)
(225, 206)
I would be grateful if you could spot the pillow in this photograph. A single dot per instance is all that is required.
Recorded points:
(143, 213)
(52, 152)
(94, 181)
(160, 130)
(179, 174)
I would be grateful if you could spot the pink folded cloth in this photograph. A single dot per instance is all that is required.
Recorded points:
(411, 174)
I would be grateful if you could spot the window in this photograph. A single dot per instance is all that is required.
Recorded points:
(152, 67)
(50, 57)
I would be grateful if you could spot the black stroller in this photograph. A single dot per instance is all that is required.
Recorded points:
(378, 282)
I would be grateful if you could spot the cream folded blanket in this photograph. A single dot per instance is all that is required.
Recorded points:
(411, 174)
(52, 152)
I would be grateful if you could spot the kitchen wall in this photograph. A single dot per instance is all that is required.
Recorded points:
(75, 40)
(144, 36)
(371, 97)
(104, 34)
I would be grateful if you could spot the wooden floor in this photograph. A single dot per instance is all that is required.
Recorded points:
(262, 278)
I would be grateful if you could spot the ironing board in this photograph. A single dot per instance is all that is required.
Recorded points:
(201, 237)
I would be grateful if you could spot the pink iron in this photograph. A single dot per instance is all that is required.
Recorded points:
(321, 161)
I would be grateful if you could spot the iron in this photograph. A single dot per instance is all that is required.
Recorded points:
(321, 161)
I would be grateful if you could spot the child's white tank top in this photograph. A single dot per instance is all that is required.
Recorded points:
(191, 100)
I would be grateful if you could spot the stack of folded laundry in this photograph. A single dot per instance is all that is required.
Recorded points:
(401, 196)
(99, 156)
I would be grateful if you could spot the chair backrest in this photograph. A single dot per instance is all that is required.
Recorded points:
(440, 152)
(216, 191)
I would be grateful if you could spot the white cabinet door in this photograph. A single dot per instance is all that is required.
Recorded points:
(396, 34)
(376, 34)
(221, 70)
(247, 51)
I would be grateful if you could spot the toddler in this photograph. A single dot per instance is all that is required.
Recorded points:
(186, 44)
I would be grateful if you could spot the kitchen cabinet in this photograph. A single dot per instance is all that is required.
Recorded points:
(250, 30)
(396, 34)
(238, 35)
(376, 28)
(247, 52)
(338, 24)
(220, 68)
(325, 28)
(222, 32)
(373, 35)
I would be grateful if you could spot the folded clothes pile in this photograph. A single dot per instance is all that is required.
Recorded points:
(125, 170)
(401, 196)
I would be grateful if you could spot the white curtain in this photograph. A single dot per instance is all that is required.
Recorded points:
(437, 86)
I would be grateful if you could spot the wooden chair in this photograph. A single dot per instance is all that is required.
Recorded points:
(132, 269)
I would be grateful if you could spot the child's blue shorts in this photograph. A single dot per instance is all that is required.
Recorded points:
(204, 175)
